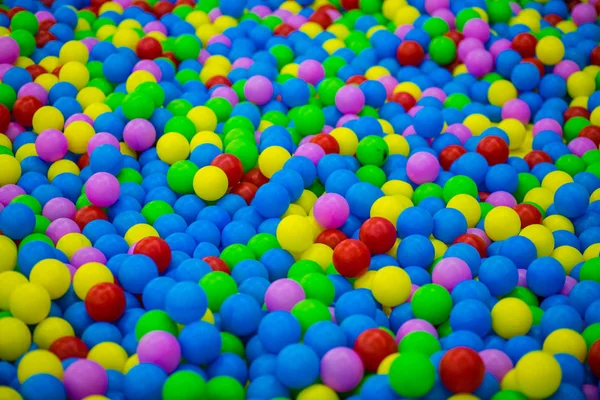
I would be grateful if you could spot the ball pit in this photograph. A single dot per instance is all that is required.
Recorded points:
(312, 200)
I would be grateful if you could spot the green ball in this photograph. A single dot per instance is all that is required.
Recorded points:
(238, 133)
(182, 125)
(30, 201)
(499, 11)
(129, 175)
(95, 69)
(442, 50)
(82, 201)
(309, 312)
(527, 182)
(137, 105)
(39, 237)
(283, 54)
(493, 77)
(412, 375)
(25, 40)
(370, 6)
(432, 303)
(154, 91)
(420, 342)
(218, 286)
(590, 270)
(332, 65)
(6, 150)
(509, 395)
(41, 224)
(524, 294)
(232, 344)
(179, 107)
(8, 96)
(591, 157)
(328, 88)
(459, 184)
(261, 243)
(426, 190)
(207, 5)
(317, 188)
(238, 88)
(302, 268)
(309, 120)
(465, 15)
(435, 27)
(573, 126)
(485, 209)
(371, 174)
(591, 333)
(245, 150)
(101, 83)
(182, 11)
(238, 122)
(368, 111)
(276, 118)
(187, 47)
(457, 100)
(372, 150)
(235, 253)
(186, 75)
(537, 314)
(224, 388)
(114, 100)
(594, 169)
(184, 385)
(221, 107)
(571, 164)
(155, 320)
(24, 20)
(155, 209)
(319, 287)
(180, 177)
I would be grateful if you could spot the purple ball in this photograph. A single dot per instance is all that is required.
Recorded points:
(227, 93)
(102, 189)
(61, 227)
(331, 210)
(570, 283)
(33, 89)
(477, 28)
(9, 192)
(422, 167)
(415, 325)
(258, 89)
(242, 62)
(579, 146)
(312, 151)
(150, 66)
(51, 145)
(547, 124)
(517, 109)
(350, 99)
(565, 68)
(86, 255)
(434, 92)
(85, 378)
(522, 281)
(499, 46)
(311, 71)
(160, 348)
(139, 134)
(496, 362)
(341, 369)
(433, 5)
(479, 62)
(155, 26)
(583, 13)
(59, 207)
(501, 198)
(462, 132)
(101, 138)
(79, 117)
(346, 118)
(283, 294)
(9, 50)
(468, 45)
(450, 271)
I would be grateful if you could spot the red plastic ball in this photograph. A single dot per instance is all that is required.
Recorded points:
(593, 358)
(537, 63)
(35, 70)
(142, 5)
(13, 11)
(245, 190)
(322, 18)
(255, 177)
(69, 347)
(46, 24)
(450, 154)
(529, 214)
(591, 132)
(25, 108)
(349, 4)
(149, 48)
(536, 157)
(524, 44)
(494, 149)
(597, 7)
(355, 80)
(461, 370)
(378, 234)
(231, 165)
(373, 346)
(575, 112)
(456, 36)
(327, 142)
(163, 7)
(56, 70)
(331, 237)
(218, 80)
(473, 240)
(4, 118)
(191, 3)
(283, 30)
(84, 161)
(105, 302)
(157, 249)
(216, 264)
(351, 258)
(410, 53)
(406, 100)
(553, 19)
(87, 214)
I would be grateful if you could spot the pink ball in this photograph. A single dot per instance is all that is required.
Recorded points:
(434, 5)
(434, 92)
(517, 109)
(499, 46)
(496, 362)
(102, 189)
(261, 11)
(312, 151)
(222, 39)
(331, 210)
(477, 28)
(481, 234)
(155, 26)
(311, 71)
(85, 378)
(346, 118)
(59, 207)
(89, 43)
(242, 62)
(14, 129)
(283, 294)
(501, 198)
(466, 46)
(522, 281)
(415, 325)
(570, 282)
(258, 89)
(447, 16)
(414, 110)
(61, 227)
(51, 145)
(584, 13)
(479, 62)
(79, 117)
(422, 167)
(227, 93)
(389, 82)
(306, 140)
(462, 132)
(579, 146)
(565, 69)
(150, 66)
(203, 56)
(9, 50)
(296, 21)
(590, 392)
(160, 348)
(86, 255)
(349, 99)
(9, 192)
(403, 30)
(33, 89)
(214, 14)
(547, 124)
(450, 271)
(44, 16)
(139, 134)
(341, 369)
(101, 138)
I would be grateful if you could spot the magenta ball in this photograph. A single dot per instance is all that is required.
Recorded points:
(590, 391)
(79, 117)
(478, 29)
(522, 281)
(139, 134)
(570, 283)
(435, 92)
(579, 146)
(51, 145)
(584, 13)
(160, 348)
(33, 89)
(547, 124)
(311, 71)
(350, 99)
(479, 62)
(415, 325)
(517, 109)
(499, 46)
(450, 271)
(468, 45)
(312, 151)
(102, 189)
(9, 50)
(61, 227)
(227, 93)
(155, 26)
(101, 138)
(481, 234)
(331, 210)
(422, 167)
(341, 369)
(565, 69)
(258, 89)
(9, 192)
(86, 255)
(150, 66)
(85, 378)
(59, 207)
(496, 362)
(434, 5)
(501, 198)
(283, 294)
(462, 132)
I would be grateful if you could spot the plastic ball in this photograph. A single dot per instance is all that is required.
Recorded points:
(210, 183)
(511, 317)
(461, 370)
(538, 374)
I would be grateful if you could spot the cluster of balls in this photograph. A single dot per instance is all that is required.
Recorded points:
(269, 199)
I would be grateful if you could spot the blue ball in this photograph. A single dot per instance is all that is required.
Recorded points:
(471, 315)
(117, 67)
(568, 392)
(499, 274)
(78, 317)
(462, 339)
(414, 221)
(545, 276)
(448, 224)
(263, 365)
(516, 347)
(571, 200)
(354, 325)
(520, 250)
(304, 167)
(573, 371)
(43, 387)
(525, 76)
(428, 122)
(229, 364)
(340, 181)
(471, 290)
(502, 177)
(100, 332)
(31, 253)
(415, 250)
(155, 292)
(186, 302)
(291, 180)
(267, 387)
(202, 351)
(144, 382)
(471, 164)
(559, 317)
(17, 221)
(204, 231)
(295, 92)
(297, 366)
(237, 232)
(377, 387)
(271, 200)
(248, 269)
(106, 158)
(360, 198)
(278, 330)
(240, 314)
(355, 302)
(324, 336)
(136, 272)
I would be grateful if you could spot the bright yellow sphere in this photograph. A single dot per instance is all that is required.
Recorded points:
(580, 84)
(550, 50)
(203, 118)
(15, 339)
(9, 280)
(307, 200)
(511, 317)
(110, 355)
(39, 362)
(62, 167)
(386, 364)
(8, 393)
(397, 187)
(556, 179)
(48, 117)
(317, 392)
(272, 160)
(365, 281)
(295, 233)
(50, 329)
(30, 303)
(71, 242)
(139, 232)
(78, 135)
(541, 237)
(10, 170)
(390, 207)
(568, 257)
(558, 223)
(566, 341)
(206, 137)
(126, 38)
(501, 223)
(90, 95)
(468, 206)
(53, 275)
(8, 249)
(540, 196)
(538, 374)
(319, 253)
(172, 147)
(391, 286)
(397, 144)
(73, 50)
(515, 130)
(137, 78)
(210, 183)
(75, 73)
(131, 362)
(347, 140)
(88, 276)
(501, 91)
(509, 382)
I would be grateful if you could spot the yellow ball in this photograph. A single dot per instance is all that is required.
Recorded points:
(319, 253)
(10, 170)
(9, 281)
(47, 81)
(8, 393)
(90, 95)
(203, 118)
(172, 147)
(406, 15)
(78, 135)
(556, 179)
(131, 362)
(509, 382)
(210, 183)
(566, 341)
(197, 18)
(365, 281)
(410, 88)
(511, 317)
(53, 275)
(294, 209)
(468, 206)
(75, 73)
(550, 50)
(126, 38)
(391, 7)
(30, 303)
(39, 362)
(317, 392)
(48, 117)
(558, 223)
(110, 355)
(477, 123)
(272, 160)
(386, 364)
(5, 141)
(347, 140)
(73, 50)
(592, 251)
(206, 137)
(439, 248)
(139, 232)
(88, 276)
(50, 329)
(515, 130)
(71, 242)
(568, 257)
(390, 207)
(62, 167)
(295, 233)
(15, 339)
(397, 187)
(137, 78)
(397, 144)
(538, 374)
(96, 109)
(391, 286)
(8, 249)
(500, 92)
(580, 84)
(501, 223)
(208, 317)
(541, 196)
(27, 150)
(541, 237)
(307, 200)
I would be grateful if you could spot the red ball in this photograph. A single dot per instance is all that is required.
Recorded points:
(218, 80)
(351, 258)
(406, 100)
(494, 149)
(69, 347)
(87, 214)
(355, 80)
(13, 11)
(529, 214)
(190, 3)
(450, 154)
(149, 48)
(597, 7)
(4, 118)
(456, 36)
(84, 161)
(231, 165)
(255, 177)
(483, 196)
(157, 249)
(349, 4)
(461, 370)
(46, 24)
(43, 37)
(537, 63)
(473, 240)
(553, 19)
(593, 358)
(105, 302)
(378, 234)
(536, 157)
(162, 7)
(373, 346)
(169, 55)
(410, 53)
(331, 237)
(35, 70)
(25, 108)
(591, 132)
(576, 112)
(283, 30)
(216, 264)
(524, 43)
(245, 190)
(327, 143)
(321, 17)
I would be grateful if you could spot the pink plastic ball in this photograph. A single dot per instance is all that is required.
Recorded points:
(33, 89)
(499, 46)
(14, 129)
(150, 66)
(86, 255)
(422, 167)
(477, 28)
(415, 325)
(349, 99)
(261, 11)
(481, 234)
(496, 362)
(346, 118)
(44, 16)
(61, 227)
(547, 124)
(102, 189)
(85, 378)
(258, 89)
(522, 281)
(311, 71)
(466, 46)
(9, 192)
(155, 26)
(51, 145)
(283, 294)
(479, 62)
(331, 210)
(101, 138)
(341, 369)
(565, 69)
(434, 5)
(462, 132)
(584, 13)
(450, 271)
(579, 146)
(312, 151)
(570, 282)
(59, 207)
(501, 198)
(242, 62)
(79, 117)
(160, 348)
(139, 134)
(435, 92)
(9, 50)
(227, 93)
(403, 30)
(517, 109)
(590, 392)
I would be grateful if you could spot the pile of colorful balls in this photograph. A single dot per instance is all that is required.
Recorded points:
(288, 199)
